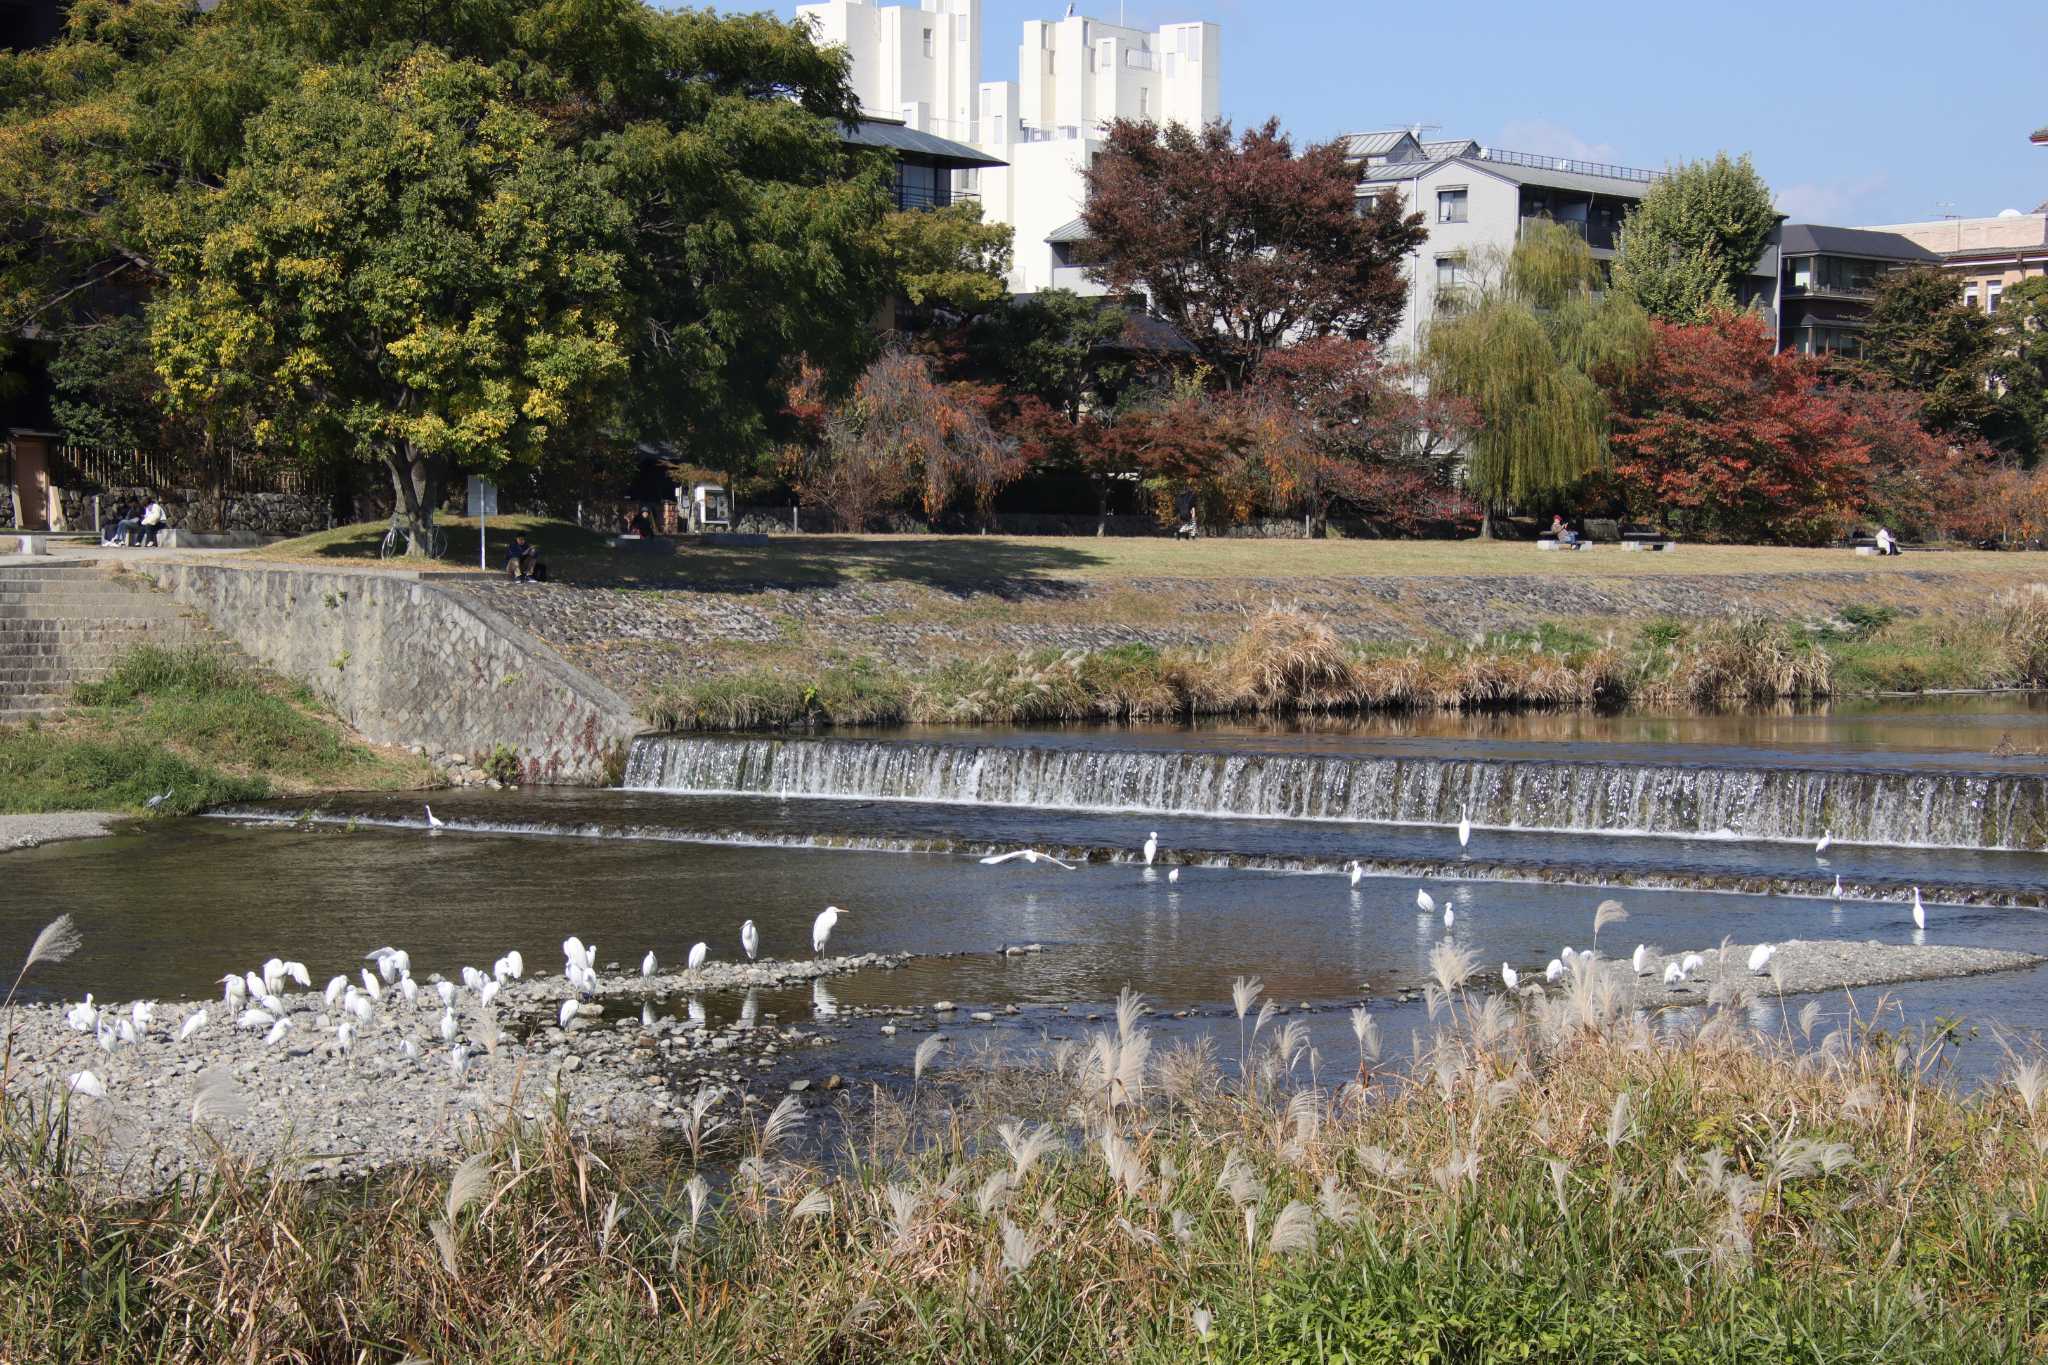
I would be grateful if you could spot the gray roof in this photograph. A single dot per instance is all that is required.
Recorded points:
(1806, 239)
(1073, 230)
(1377, 143)
(1623, 187)
(1436, 151)
(1387, 171)
(895, 137)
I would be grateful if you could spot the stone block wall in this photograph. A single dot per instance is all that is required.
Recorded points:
(408, 660)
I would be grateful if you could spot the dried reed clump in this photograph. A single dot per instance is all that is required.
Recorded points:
(2021, 616)
(1287, 660)
(1749, 658)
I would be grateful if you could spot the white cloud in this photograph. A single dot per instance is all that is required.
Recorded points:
(1836, 202)
(1545, 138)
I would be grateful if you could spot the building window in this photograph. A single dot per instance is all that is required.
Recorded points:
(1143, 99)
(1802, 272)
(927, 42)
(1450, 272)
(1970, 296)
(1450, 206)
(1992, 295)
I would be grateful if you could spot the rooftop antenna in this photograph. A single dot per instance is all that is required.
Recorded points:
(1947, 204)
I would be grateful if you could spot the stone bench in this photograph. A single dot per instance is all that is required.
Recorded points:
(1661, 546)
(1552, 543)
(33, 543)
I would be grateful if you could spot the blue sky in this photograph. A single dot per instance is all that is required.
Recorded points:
(1855, 113)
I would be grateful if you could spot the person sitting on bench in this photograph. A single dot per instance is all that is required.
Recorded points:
(127, 525)
(1561, 533)
(1887, 544)
(152, 521)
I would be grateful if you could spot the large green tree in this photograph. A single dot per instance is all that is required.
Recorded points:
(1920, 335)
(472, 234)
(1527, 349)
(2020, 362)
(1695, 234)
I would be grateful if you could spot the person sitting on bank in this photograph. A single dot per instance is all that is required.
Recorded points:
(643, 525)
(127, 524)
(522, 558)
(1887, 544)
(1561, 533)
(152, 521)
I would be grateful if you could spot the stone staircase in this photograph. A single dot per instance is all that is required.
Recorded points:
(66, 622)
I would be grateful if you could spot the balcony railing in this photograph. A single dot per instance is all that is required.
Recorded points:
(1565, 163)
(926, 197)
(1599, 236)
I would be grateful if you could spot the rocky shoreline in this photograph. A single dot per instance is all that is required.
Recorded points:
(32, 831)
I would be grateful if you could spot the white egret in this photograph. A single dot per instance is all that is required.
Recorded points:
(1825, 839)
(255, 984)
(1357, 872)
(446, 990)
(126, 1030)
(335, 988)
(83, 1015)
(277, 1031)
(1553, 970)
(409, 988)
(434, 821)
(1919, 911)
(272, 1003)
(458, 1060)
(194, 1022)
(1693, 963)
(1838, 886)
(1639, 957)
(233, 990)
(750, 939)
(1449, 914)
(255, 1018)
(297, 972)
(345, 1035)
(566, 1013)
(273, 975)
(488, 993)
(472, 979)
(410, 1049)
(448, 1026)
(1509, 976)
(1674, 976)
(515, 964)
(1569, 955)
(821, 927)
(359, 1005)
(371, 986)
(1151, 847)
(1172, 876)
(647, 963)
(106, 1035)
(86, 1084)
(1029, 855)
(1425, 902)
(1760, 958)
(1464, 829)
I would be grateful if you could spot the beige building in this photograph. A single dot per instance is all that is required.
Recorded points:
(1987, 255)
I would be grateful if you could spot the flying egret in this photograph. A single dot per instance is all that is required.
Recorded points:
(1919, 911)
(1151, 847)
(1509, 976)
(1357, 872)
(1639, 957)
(434, 821)
(821, 927)
(1825, 839)
(1760, 958)
(647, 963)
(194, 1022)
(1425, 902)
(750, 939)
(1029, 855)
(1464, 829)
(1554, 970)
(566, 1013)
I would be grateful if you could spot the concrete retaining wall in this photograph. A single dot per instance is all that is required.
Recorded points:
(407, 660)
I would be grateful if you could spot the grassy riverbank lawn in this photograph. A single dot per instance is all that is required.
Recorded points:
(1553, 1177)
(198, 725)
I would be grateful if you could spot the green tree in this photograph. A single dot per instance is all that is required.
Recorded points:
(1693, 237)
(1920, 335)
(1527, 349)
(947, 257)
(713, 227)
(2020, 362)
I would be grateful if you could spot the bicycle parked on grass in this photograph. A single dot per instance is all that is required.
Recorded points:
(397, 540)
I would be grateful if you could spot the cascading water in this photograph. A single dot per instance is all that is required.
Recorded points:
(1957, 809)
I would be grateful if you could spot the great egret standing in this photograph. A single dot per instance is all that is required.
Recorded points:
(700, 951)
(1639, 957)
(1425, 902)
(821, 927)
(1760, 958)
(434, 821)
(1464, 829)
(1509, 976)
(1838, 886)
(1357, 872)
(647, 963)
(1919, 911)
(1825, 839)
(1172, 875)
(1151, 847)
(750, 939)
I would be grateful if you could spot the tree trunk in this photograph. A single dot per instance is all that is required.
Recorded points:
(1101, 506)
(416, 480)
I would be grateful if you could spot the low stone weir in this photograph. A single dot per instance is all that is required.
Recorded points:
(1951, 809)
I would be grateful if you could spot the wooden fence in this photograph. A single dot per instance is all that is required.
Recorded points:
(229, 471)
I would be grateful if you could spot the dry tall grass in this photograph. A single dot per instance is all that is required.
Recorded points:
(1547, 1177)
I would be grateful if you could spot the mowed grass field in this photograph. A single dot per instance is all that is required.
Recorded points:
(822, 560)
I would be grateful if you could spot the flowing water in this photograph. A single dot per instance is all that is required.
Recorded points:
(1706, 823)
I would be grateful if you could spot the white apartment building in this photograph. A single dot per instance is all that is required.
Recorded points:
(1074, 75)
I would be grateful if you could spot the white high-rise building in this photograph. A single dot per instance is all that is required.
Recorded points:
(1074, 75)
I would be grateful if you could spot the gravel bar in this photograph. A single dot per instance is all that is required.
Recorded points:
(27, 831)
(324, 1112)
(1797, 967)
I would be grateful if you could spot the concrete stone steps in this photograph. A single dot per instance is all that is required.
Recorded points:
(66, 624)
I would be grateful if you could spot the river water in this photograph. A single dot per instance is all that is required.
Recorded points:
(1703, 827)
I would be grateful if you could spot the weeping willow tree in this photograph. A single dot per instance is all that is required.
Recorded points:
(1526, 347)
